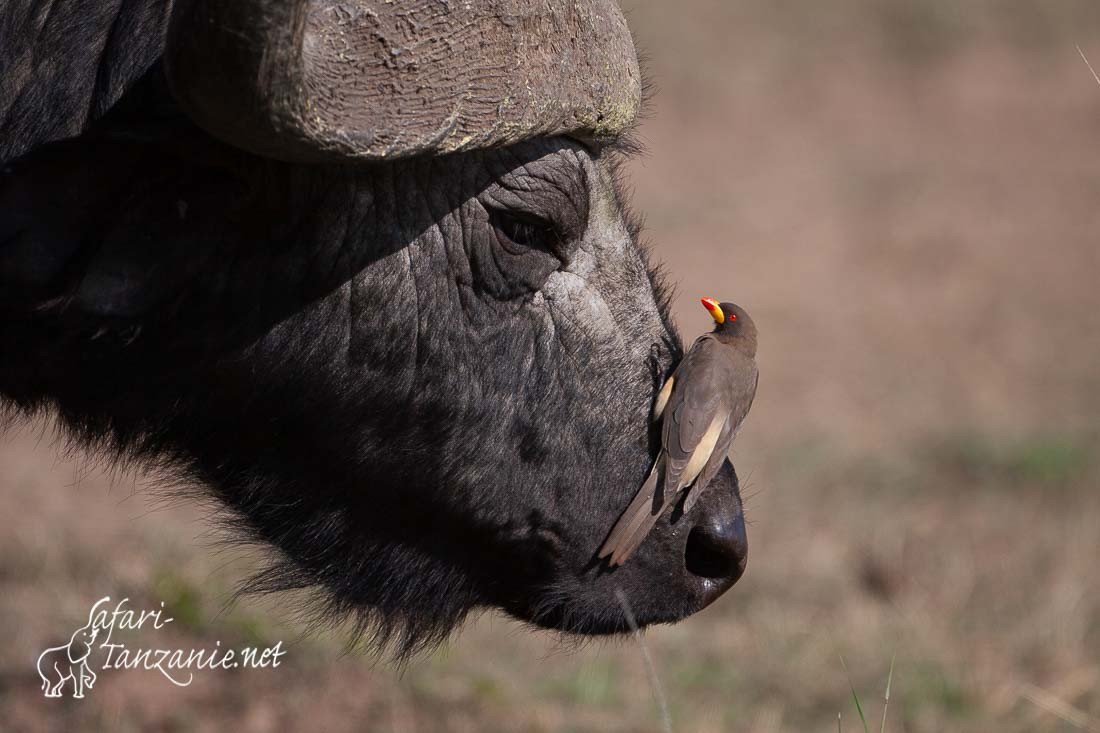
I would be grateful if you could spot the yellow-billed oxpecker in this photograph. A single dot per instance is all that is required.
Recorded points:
(702, 406)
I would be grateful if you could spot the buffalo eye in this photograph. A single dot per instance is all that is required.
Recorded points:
(519, 252)
(518, 231)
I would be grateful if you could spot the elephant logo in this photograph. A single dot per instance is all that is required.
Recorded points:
(69, 662)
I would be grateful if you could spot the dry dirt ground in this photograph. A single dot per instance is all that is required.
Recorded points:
(906, 195)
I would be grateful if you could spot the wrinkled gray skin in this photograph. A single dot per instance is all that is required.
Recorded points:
(425, 384)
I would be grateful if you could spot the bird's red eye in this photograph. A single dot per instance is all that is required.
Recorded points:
(731, 317)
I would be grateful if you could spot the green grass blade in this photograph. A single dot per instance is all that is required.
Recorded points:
(855, 697)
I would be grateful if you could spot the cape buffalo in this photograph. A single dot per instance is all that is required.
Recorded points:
(362, 271)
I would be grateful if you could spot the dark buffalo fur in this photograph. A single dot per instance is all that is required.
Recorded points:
(424, 384)
(64, 63)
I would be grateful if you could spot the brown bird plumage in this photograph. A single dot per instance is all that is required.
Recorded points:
(702, 405)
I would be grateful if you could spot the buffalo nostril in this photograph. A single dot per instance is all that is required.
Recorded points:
(717, 551)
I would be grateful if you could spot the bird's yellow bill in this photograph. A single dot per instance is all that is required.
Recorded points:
(715, 310)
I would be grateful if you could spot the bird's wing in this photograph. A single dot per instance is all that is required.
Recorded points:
(655, 494)
(693, 424)
(714, 462)
(701, 419)
(697, 411)
(742, 368)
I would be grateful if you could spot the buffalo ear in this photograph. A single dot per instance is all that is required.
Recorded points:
(98, 228)
(369, 80)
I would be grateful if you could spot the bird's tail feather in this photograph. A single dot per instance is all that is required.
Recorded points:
(630, 543)
(636, 521)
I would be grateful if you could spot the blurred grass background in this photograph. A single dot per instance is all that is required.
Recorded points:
(906, 195)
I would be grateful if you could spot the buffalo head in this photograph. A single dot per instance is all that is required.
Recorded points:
(363, 271)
